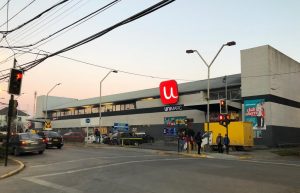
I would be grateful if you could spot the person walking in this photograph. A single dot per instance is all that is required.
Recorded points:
(220, 143)
(226, 143)
(198, 140)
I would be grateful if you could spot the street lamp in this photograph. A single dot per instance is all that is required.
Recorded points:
(100, 96)
(232, 43)
(47, 99)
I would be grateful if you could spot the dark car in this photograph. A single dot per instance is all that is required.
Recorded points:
(146, 138)
(73, 137)
(52, 139)
(26, 143)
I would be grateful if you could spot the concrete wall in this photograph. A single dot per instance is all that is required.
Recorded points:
(269, 74)
(52, 102)
(187, 100)
(134, 119)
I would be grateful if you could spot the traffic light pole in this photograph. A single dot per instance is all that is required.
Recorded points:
(9, 118)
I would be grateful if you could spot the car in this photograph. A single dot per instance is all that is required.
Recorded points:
(146, 137)
(52, 139)
(25, 143)
(73, 137)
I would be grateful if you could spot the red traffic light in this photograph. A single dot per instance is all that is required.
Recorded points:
(221, 117)
(19, 76)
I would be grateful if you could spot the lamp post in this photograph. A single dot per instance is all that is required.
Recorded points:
(46, 115)
(232, 43)
(100, 96)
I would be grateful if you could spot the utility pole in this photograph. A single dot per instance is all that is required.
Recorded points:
(9, 118)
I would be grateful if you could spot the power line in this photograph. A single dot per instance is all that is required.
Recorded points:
(4, 5)
(38, 27)
(78, 22)
(29, 65)
(34, 18)
(18, 12)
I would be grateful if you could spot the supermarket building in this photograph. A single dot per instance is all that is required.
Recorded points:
(266, 93)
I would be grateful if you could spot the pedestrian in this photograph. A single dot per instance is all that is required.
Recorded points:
(97, 135)
(220, 143)
(226, 143)
(198, 139)
(181, 140)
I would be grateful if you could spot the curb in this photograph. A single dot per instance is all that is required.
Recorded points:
(21, 167)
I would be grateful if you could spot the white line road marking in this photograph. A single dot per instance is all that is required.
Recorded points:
(110, 165)
(91, 158)
(53, 185)
(269, 162)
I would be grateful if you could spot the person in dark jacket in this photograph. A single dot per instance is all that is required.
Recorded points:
(226, 143)
(97, 135)
(220, 143)
(198, 140)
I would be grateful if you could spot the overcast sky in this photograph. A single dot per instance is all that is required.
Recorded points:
(154, 45)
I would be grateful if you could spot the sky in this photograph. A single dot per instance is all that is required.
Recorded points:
(153, 45)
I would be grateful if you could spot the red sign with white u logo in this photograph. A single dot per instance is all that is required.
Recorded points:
(168, 92)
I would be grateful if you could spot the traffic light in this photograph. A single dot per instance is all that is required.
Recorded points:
(15, 81)
(224, 119)
(223, 106)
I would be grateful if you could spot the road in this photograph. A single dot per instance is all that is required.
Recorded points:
(125, 170)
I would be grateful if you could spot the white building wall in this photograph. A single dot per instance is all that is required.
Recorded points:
(134, 119)
(266, 71)
(187, 100)
(52, 102)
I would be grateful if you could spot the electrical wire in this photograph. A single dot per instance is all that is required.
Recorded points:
(101, 33)
(18, 12)
(43, 24)
(4, 5)
(34, 18)
(78, 22)
(29, 65)
(12, 56)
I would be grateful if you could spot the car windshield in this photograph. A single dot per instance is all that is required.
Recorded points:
(28, 136)
(53, 134)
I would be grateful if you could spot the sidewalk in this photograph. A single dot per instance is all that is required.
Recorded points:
(13, 167)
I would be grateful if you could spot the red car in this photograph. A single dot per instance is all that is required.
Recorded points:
(73, 137)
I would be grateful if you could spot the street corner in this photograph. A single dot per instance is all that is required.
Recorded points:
(12, 169)
(195, 155)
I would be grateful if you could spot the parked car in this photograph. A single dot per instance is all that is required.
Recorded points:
(25, 143)
(146, 138)
(52, 139)
(73, 137)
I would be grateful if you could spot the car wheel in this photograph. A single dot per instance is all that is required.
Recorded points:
(16, 152)
(59, 147)
(41, 152)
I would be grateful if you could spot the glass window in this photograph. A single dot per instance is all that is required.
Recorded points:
(109, 108)
(88, 110)
(118, 107)
(80, 111)
(95, 110)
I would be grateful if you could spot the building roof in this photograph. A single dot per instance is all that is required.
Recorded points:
(4, 111)
(215, 83)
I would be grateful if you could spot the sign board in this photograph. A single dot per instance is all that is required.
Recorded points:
(170, 131)
(170, 121)
(47, 125)
(120, 127)
(173, 108)
(255, 113)
(169, 92)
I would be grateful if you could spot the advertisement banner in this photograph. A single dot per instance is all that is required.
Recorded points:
(171, 121)
(255, 113)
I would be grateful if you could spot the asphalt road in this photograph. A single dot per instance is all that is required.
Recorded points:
(123, 170)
